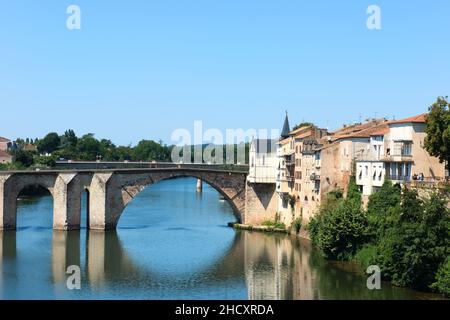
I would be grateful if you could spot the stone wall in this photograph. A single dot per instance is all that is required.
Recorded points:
(260, 203)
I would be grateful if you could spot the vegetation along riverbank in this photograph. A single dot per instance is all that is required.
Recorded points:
(406, 234)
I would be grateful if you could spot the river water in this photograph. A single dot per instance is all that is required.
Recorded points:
(171, 243)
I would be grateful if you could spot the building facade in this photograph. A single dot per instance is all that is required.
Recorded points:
(398, 154)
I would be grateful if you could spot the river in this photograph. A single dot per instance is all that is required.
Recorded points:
(171, 243)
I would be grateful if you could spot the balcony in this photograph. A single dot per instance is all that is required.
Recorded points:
(314, 177)
(401, 178)
(262, 174)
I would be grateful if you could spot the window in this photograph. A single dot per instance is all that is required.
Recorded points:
(367, 171)
(402, 148)
(407, 146)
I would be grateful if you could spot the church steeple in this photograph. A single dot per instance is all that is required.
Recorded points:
(286, 128)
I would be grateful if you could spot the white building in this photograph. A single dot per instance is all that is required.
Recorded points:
(370, 166)
(398, 154)
(263, 161)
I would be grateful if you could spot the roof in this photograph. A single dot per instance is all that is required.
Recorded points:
(5, 154)
(286, 128)
(29, 147)
(421, 118)
(381, 131)
(365, 133)
(265, 145)
(298, 130)
(2, 139)
(358, 127)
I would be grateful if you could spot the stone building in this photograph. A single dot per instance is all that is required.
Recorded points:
(5, 157)
(339, 152)
(285, 174)
(5, 144)
(307, 141)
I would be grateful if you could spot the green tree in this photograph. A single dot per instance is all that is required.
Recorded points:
(413, 249)
(69, 139)
(340, 231)
(88, 147)
(383, 209)
(437, 140)
(303, 124)
(442, 283)
(340, 227)
(149, 150)
(25, 158)
(49, 143)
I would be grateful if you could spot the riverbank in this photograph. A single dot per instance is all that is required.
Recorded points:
(259, 228)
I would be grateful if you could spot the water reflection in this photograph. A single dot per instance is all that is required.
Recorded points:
(184, 252)
(272, 267)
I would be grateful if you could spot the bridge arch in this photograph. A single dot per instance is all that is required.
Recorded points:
(122, 188)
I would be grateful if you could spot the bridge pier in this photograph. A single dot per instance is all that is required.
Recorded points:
(66, 203)
(199, 185)
(101, 203)
(7, 205)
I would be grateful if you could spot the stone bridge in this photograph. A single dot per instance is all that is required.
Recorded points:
(109, 191)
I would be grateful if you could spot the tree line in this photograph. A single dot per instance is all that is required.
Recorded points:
(46, 151)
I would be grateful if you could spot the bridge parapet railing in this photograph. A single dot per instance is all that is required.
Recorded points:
(118, 165)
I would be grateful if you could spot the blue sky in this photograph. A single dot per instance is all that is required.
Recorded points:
(141, 69)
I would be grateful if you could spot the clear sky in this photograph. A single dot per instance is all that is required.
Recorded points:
(141, 69)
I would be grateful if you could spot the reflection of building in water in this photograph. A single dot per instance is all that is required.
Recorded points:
(276, 269)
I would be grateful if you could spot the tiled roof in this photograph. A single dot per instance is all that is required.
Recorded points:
(381, 132)
(366, 133)
(357, 127)
(2, 139)
(4, 154)
(421, 118)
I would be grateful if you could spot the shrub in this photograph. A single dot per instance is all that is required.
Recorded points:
(297, 225)
(442, 283)
(274, 224)
(339, 230)
(367, 256)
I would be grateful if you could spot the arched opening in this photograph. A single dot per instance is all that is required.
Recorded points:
(84, 209)
(169, 219)
(34, 207)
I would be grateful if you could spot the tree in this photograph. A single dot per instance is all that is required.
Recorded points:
(340, 228)
(23, 157)
(383, 209)
(413, 249)
(437, 140)
(88, 147)
(49, 143)
(69, 139)
(303, 124)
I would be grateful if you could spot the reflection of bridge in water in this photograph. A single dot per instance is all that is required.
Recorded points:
(263, 260)
(271, 266)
